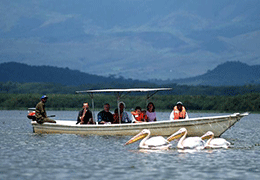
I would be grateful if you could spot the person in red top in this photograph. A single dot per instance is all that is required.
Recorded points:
(138, 115)
(179, 111)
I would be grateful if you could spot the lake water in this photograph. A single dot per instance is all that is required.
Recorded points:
(26, 155)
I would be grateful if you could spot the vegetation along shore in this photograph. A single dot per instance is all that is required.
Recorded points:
(238, 103)
(14, 95)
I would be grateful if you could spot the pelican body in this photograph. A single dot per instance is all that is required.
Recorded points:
(215, 142)
(154, 143)
(187, 143)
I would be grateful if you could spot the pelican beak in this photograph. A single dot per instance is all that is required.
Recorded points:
(136, 138)
(206, 136)
(176, 135)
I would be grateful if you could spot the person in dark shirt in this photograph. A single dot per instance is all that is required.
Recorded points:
(85, 115)
(105, 116)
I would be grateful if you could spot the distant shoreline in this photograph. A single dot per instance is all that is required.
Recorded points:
(164, 103)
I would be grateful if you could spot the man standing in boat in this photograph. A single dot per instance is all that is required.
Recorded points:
(105, 116)
(179, 112)
(85, 115)
(40, 113)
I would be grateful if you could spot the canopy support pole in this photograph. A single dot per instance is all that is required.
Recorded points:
(149, 96)
(93, 107)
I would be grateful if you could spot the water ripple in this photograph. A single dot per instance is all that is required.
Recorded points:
(25, 155)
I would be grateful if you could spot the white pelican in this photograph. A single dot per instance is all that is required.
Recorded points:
(186, 143)
(154, 143)
(215, 142)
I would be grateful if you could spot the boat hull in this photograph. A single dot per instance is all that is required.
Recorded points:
(195, 127)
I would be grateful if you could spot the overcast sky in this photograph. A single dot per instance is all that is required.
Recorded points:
(139, 39)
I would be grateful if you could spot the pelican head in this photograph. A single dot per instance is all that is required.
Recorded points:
(177, 135)
(207, 135)
(141, 135)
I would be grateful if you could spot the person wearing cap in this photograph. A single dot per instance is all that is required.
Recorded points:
(179, 112)
(40, 113)
(85, 115)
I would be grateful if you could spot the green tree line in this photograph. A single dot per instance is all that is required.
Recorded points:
(238, 103)
(55, 88)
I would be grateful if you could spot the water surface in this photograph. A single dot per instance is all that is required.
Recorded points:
(26, 155)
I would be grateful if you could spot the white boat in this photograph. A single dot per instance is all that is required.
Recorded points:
(195, 126)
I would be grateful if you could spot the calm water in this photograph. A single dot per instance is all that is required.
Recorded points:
(25, 155)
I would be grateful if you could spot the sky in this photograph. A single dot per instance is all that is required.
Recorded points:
(138, 39)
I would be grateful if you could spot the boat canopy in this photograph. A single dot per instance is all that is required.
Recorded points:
(120, 92)
(124, 90)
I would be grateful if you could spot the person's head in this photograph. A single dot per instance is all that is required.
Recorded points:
(106, 107)
(138, 109)
(116, 111)
(150, 107)
(85, 105)
(121, 106)
(44, 98)
(179, 105)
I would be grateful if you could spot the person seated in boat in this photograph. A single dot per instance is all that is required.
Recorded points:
(105, 116)
(150, 113)
(138, 116)
(116, 116)
(85, 115)
(123, 114)
(40, 113)
(179, 112)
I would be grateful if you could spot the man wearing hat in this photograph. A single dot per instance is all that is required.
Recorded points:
(179, 111)
(85, 115)
(40, 113)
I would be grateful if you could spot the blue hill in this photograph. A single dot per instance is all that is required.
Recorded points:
(19, 72)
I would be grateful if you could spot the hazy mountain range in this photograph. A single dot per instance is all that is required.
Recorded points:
(23, 73)
(227, 74)
(138, 39)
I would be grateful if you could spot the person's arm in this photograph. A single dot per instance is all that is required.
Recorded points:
(133, 118)
(83, 116)
(111, 118)
(90, 121)
(127, 117)
(78, 118)
(100, 118)
(155, 116)
(172, 115)
(115, 118)
(145, 118)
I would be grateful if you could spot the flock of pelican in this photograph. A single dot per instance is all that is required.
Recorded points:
(196, 143)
